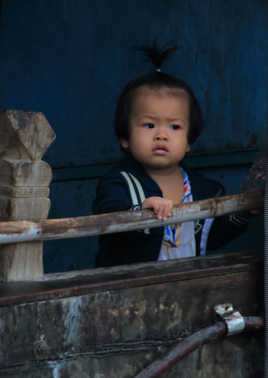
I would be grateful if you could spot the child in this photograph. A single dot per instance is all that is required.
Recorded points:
(157, 119)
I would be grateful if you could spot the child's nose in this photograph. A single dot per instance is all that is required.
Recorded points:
(159, 137)
(161, 134)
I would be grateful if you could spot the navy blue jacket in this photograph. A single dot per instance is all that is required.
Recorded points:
(136, 246)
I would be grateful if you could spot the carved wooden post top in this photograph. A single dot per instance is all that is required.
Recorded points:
(24, 135)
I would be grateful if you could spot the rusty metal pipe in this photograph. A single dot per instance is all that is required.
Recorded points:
(191, 343)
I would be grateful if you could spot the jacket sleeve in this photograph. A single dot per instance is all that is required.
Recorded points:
(226, 228)
(111, 195)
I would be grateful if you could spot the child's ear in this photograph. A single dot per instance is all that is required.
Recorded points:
(124, 143)
(188, 148)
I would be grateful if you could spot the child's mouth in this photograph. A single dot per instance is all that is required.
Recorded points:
(160, 150)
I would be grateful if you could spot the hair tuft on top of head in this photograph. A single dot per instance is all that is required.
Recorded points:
(156, 55)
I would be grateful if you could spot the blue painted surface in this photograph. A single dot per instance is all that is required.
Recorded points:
(70, 59)
(71, 199)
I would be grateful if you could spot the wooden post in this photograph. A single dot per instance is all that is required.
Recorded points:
(24, 181)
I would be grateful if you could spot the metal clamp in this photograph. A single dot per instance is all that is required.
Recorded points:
(234, 320)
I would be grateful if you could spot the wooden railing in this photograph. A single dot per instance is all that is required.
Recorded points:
(24, 202)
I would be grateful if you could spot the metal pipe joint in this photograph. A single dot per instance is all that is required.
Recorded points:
(234, 321)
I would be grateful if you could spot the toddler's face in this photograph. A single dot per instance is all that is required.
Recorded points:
(159, 124)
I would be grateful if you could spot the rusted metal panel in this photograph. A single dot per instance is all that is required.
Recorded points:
(114, 327)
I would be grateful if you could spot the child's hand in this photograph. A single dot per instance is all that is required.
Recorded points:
(162, 207)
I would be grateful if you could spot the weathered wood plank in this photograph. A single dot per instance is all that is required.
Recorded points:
(11, 232)
(77, 283)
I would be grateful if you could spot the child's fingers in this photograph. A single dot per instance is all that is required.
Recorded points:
(164, 210)
(168, 209)
(159, 212)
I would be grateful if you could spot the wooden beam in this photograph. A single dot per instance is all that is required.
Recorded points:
(23, 231)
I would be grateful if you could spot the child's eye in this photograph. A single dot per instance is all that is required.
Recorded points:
(149, 125)
(175, 127)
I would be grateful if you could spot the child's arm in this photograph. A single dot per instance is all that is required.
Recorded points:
(127, 247)
(111, 195)
(225, 229)
(235, 224)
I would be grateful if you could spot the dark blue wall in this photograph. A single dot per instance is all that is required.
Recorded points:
(70, 59)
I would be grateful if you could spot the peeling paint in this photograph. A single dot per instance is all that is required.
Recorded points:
(55, 368)
(72, 318)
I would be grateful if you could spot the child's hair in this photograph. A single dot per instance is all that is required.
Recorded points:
(156, 80)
